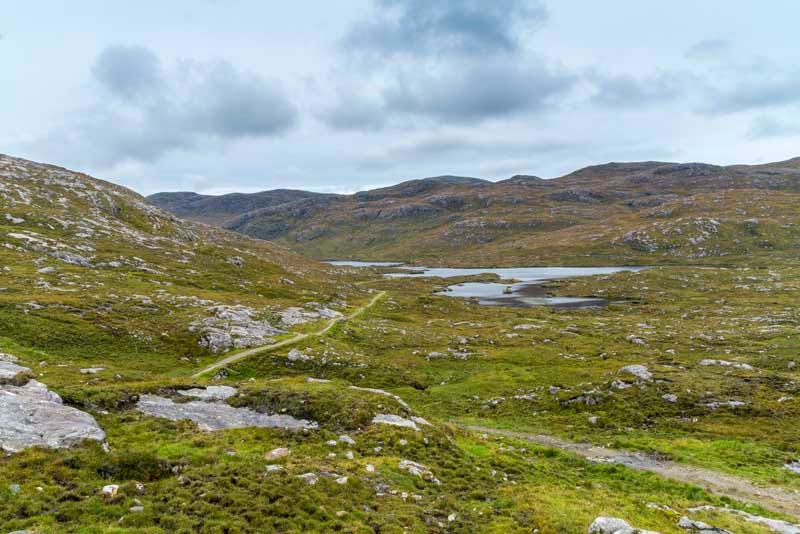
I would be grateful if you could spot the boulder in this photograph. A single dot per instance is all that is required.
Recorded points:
(33, 416)
(614, 525)
(641, 372)
(274, 454)
(699, 527)
(216, 415)
(209, 393)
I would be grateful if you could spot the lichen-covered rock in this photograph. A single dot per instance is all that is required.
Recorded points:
(699, 527)
(641, 372)
(209, 393)
(233, 327)
(419, 470)
(614, 525)
(216, 415)
(396, 420)
(33, 416)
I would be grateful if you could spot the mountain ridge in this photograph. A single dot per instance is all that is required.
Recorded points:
(597, 210)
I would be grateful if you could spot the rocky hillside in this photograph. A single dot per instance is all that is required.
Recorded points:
(646, 212)
(84, 257)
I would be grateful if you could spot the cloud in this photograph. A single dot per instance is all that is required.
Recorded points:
(130, 72)
(442, 63)
(626, 91)
(354, 110)
(767, 88)
(462, 27)
(768, 127)
(145, 111)
(477, 91)
(709, 48)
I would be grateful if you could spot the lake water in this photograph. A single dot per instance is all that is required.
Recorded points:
(525, 291)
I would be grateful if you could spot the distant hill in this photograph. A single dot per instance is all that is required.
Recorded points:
(639, 212)
(213, 209)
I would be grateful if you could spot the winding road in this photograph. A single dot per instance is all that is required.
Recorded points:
(290, 341)
(772, 498)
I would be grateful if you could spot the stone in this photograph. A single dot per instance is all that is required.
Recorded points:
(394, 420)
(297, 356)
(341, 480)
(641, 372)
(347, 439)
(271, 468)
(419, 470)
(669, 397)
(370, 468)
(136, 509)
(614, 525)
(309, 478)
(699, 527)
(209, 393)
(274, 454)
(725, 363)
(92, 370)
(776, 525)
(110, 491)
(211, 416)
(10, 370)
(33, 416)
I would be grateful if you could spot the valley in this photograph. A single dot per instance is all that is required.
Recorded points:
(229, 384)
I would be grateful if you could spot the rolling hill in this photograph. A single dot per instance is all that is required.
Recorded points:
(646, 212)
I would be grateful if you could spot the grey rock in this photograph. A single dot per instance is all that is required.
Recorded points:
(309, 478)
(209, 393)
(419, 470)
(217, 416)
(641, 372)
(776, 525)
(394, 420)
(614, 525)
(33, 416)
(699, 527)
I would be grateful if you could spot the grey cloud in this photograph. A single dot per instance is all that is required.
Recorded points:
(627, 91)
(477, 91)
(231, 104)
(354, 111)
(463, 92)
(422, 27)
(767, 90)
(128, 71)
(766, 127)
(708, 48)
(158, 111)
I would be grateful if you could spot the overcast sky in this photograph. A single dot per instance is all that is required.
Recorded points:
(245, 95)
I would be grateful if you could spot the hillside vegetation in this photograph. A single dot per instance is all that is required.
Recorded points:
(639, 213)
(341, 400)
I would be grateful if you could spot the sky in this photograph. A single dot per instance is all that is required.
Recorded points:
(217, 96)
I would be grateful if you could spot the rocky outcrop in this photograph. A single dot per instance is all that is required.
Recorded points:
(209, 393)
(33, 416)
(233, 327)
(614, 525)
(217, 415)
(396, 420)
(775, 525)
(698, 527)
(294, 315)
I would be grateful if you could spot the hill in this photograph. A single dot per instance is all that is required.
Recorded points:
(646, 212)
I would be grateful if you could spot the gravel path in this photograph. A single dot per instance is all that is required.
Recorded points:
(776, 499)
(290, 341)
